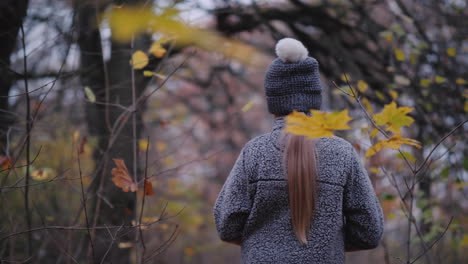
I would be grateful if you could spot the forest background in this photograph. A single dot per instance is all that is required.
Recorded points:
(120, 120)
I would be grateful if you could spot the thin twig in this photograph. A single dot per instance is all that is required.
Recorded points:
(84, 199)
(143, 200)
(438, 143)
(434, 242)
(28, 142)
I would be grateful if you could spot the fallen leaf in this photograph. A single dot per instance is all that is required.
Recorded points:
(122, 178)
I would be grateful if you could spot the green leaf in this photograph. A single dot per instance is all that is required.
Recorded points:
(89, 94)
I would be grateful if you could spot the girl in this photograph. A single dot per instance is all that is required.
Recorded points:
(293, 200)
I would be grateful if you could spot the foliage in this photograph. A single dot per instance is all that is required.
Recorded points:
(320, 124)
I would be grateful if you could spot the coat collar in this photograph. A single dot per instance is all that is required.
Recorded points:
(279, 123)
(278, 126)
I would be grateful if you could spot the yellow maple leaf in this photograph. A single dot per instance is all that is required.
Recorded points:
(393, 94)
(394, 142)
(399, 55)
(157, 50)
(394, 117)
(320, 124)
(139, 60)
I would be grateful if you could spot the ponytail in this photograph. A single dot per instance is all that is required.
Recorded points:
(300, 164)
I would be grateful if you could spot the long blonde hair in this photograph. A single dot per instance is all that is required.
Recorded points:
(300, 165)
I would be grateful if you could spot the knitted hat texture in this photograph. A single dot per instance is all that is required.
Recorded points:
(292, 81)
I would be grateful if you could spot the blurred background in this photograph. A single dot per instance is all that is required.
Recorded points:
(175, 89)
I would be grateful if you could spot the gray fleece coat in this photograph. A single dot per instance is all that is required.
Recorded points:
(253, 205)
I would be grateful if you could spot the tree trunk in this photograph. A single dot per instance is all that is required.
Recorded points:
(111, 83)
(12, 13)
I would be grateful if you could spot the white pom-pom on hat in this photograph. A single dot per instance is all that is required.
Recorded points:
(291, 50)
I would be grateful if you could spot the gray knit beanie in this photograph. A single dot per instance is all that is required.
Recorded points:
(292, 81)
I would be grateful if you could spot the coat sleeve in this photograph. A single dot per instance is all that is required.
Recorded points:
(362, 211)
(233, 205)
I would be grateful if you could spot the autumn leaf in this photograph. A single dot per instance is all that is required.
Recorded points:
(83, 142)
(367, 105)
(464, 242)
(399, 55)
(122, 178)
(393, 94)
(425, 82)
(320, 124)
(148, 73)
(451, 52)
(42, 174)
(189, 251)
(362, 86)
(128, 21)
(460, 81)
(161, 146)
(139, 60)
(157, 50)
(406, 155)
(439, 79)
(89, 94)
(5, 162)
(394, 117)
(143, 144)
(125, 245)
(148, 188)
(394, 142)
(158, 75)
(248, 106)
